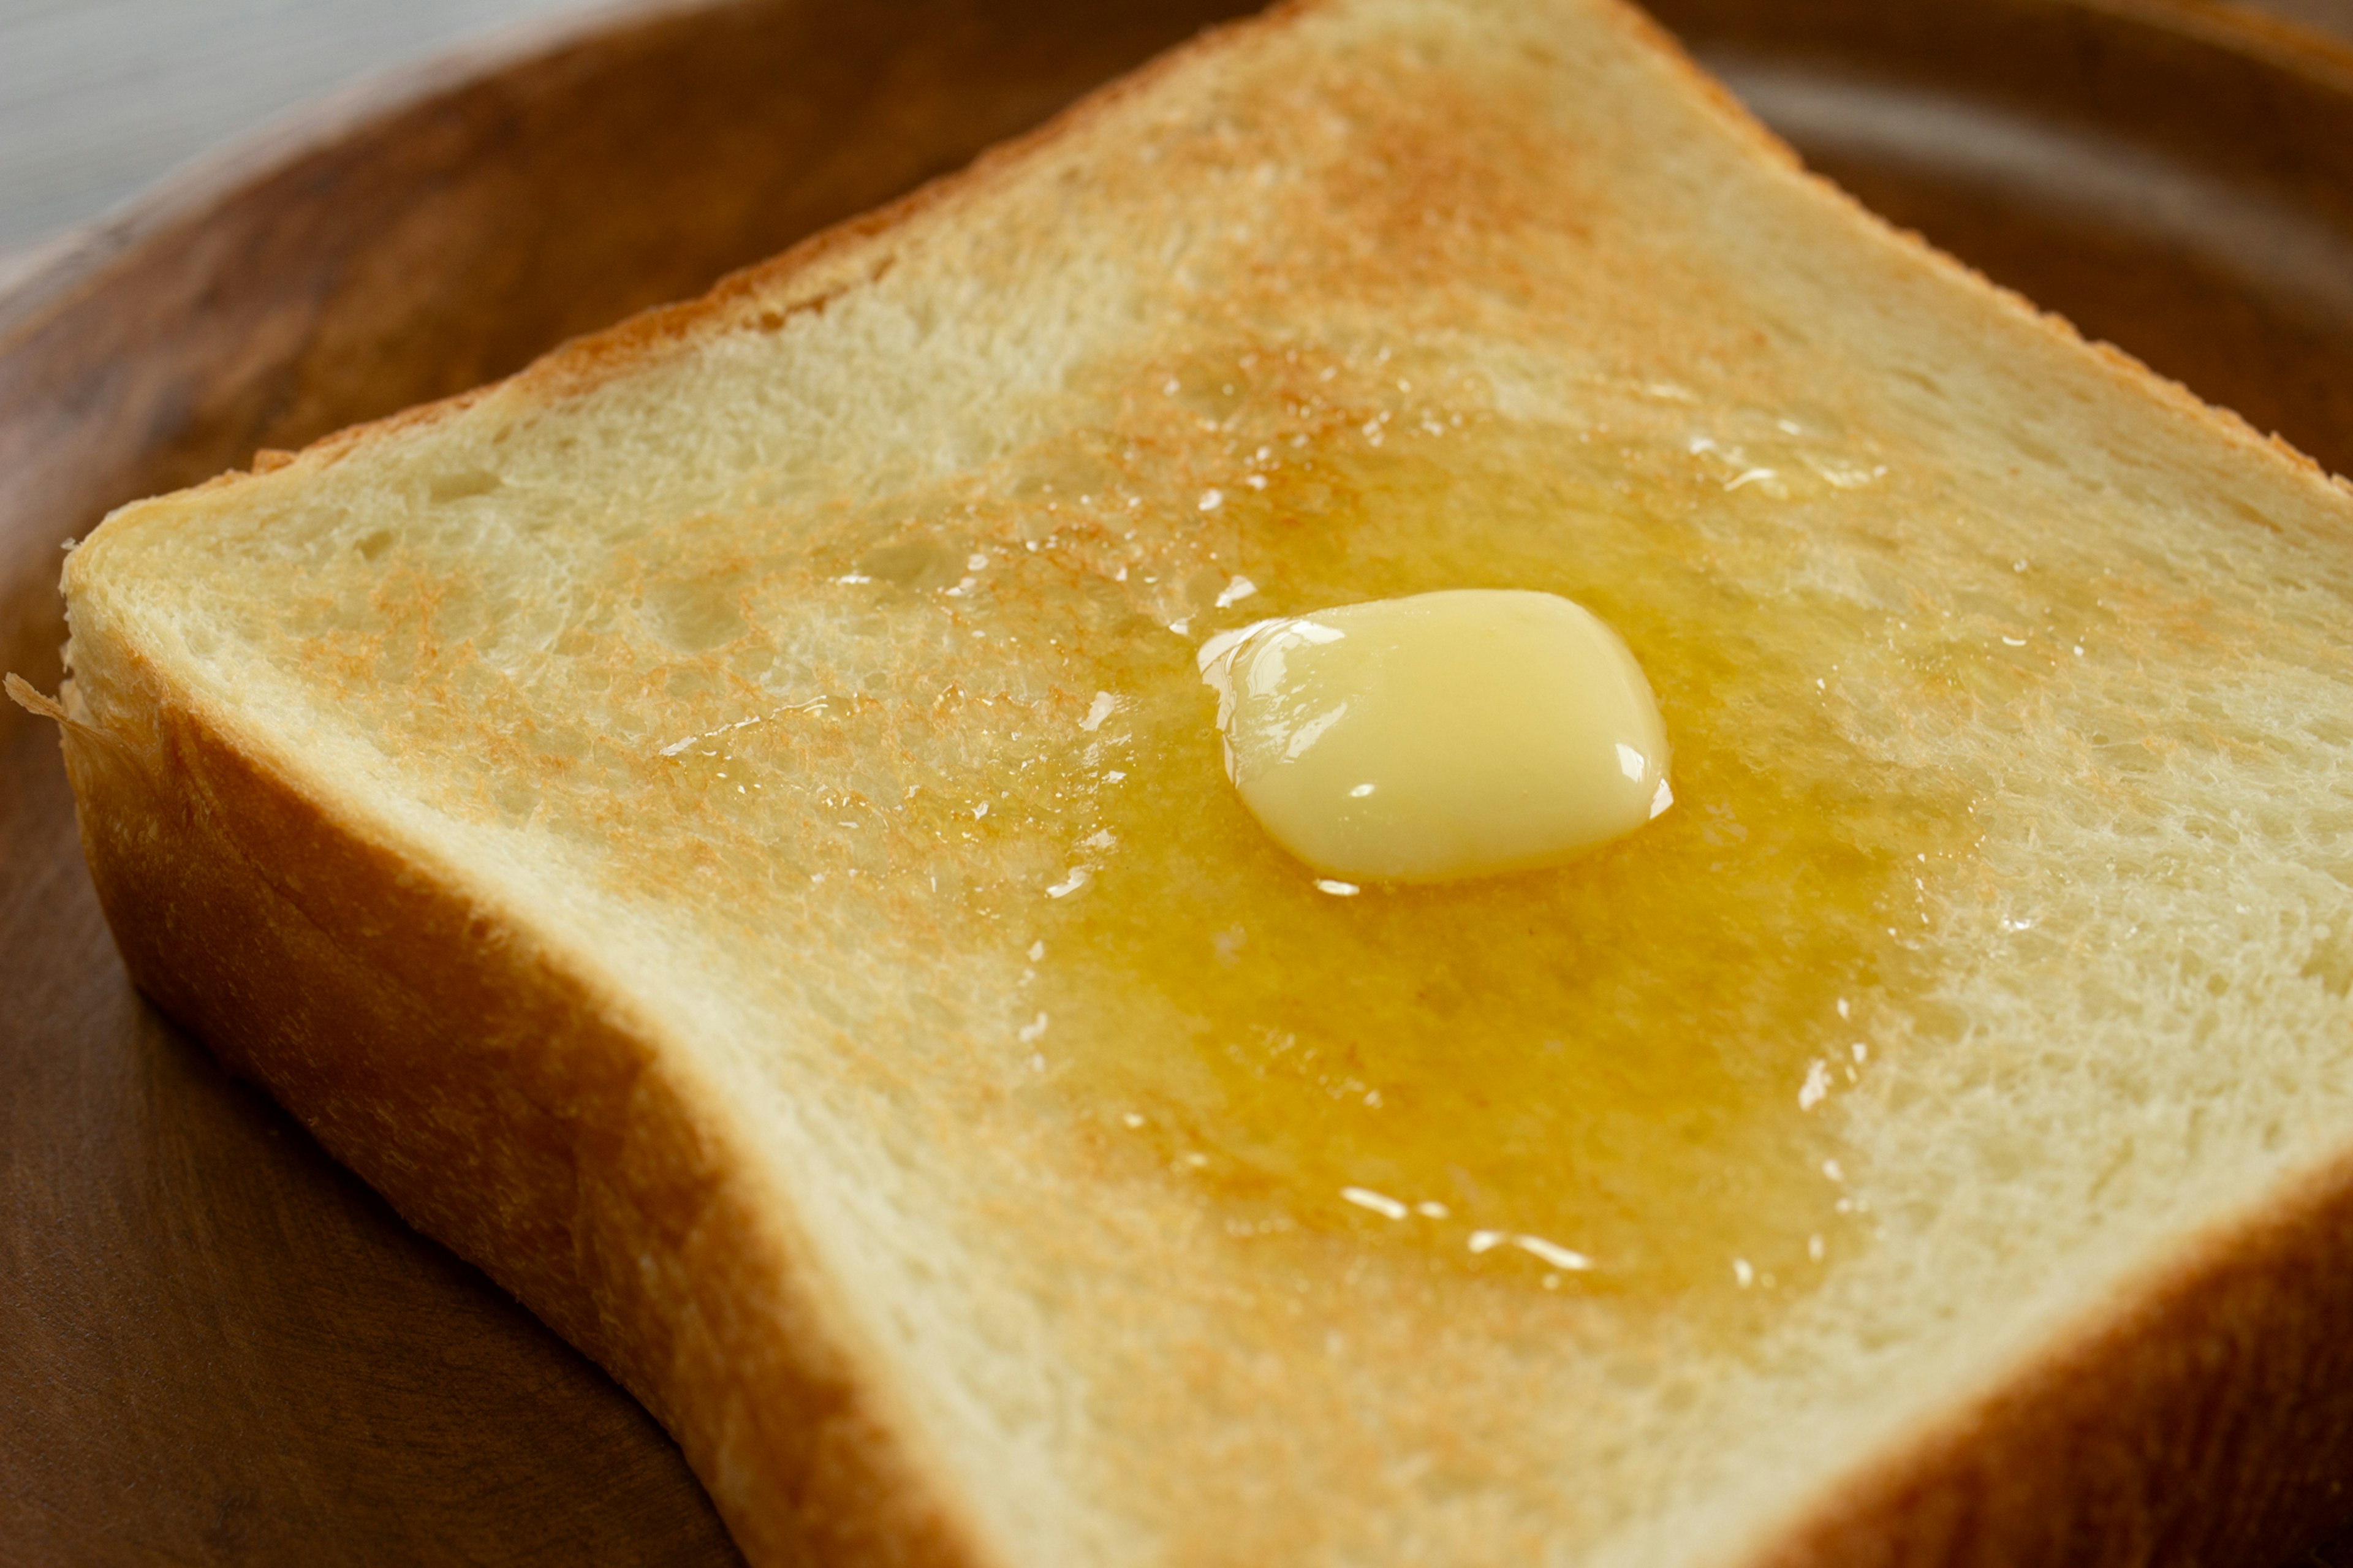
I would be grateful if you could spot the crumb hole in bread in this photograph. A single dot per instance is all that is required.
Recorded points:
(2331, 962)
(516, 802)
(2040, 451)
(693, 613)
(1926, 383)
(462, 484)
(913, 563)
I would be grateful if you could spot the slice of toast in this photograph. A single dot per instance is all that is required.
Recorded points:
(724, 830)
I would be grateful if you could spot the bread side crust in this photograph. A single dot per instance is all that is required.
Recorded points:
(504, 1108)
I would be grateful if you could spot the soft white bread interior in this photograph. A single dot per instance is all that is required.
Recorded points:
(665, 819)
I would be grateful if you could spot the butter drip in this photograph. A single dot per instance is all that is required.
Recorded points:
(1437, 736)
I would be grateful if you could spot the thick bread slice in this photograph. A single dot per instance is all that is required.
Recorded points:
(674, 822)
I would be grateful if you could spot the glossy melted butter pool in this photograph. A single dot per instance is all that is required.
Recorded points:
(1626, 1061)
(1618, 1075)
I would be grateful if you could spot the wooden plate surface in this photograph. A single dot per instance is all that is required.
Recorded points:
(217, 1346)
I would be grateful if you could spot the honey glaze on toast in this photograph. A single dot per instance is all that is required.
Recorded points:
(1618, 1075)
(1621, 1076)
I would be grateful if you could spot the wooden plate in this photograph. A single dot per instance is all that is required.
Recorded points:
(214, 1345)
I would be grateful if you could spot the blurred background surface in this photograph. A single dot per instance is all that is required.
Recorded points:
(100, 98)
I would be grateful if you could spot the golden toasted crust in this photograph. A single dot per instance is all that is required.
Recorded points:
(434, 1048)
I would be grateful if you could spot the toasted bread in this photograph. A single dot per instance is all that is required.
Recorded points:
(724, 830)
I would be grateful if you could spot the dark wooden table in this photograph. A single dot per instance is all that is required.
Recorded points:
(99, 97)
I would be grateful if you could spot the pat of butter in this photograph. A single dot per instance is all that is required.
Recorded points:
(1443, 735)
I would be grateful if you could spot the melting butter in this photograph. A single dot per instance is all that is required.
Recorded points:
(1439, 736)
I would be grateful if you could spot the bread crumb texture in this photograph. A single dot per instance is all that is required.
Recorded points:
(814, 667)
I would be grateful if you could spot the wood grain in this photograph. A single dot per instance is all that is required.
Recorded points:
(214, 1345)
(2323, 16)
